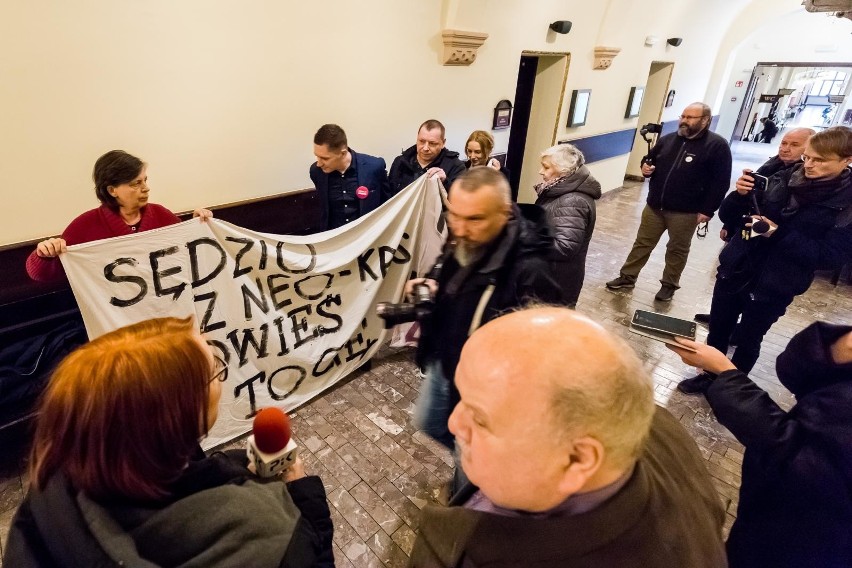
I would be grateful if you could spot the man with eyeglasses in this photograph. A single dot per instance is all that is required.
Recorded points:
(689, 172)
(806, 218)
(789, 155)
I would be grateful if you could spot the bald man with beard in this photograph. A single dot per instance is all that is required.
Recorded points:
(570, 463)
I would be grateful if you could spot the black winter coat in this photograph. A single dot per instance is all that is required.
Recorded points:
(517, 263)
(405, 168)
(795, 504)
(219, 515)
(570, 209)
(691, 175)
(810, 237)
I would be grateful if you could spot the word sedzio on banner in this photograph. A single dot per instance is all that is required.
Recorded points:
(290, 315)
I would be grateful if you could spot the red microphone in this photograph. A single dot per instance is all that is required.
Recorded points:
(270, 447)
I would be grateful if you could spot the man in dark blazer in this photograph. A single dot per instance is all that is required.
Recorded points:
(348, 184)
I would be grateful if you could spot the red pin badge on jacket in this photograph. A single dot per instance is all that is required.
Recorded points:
(362, 192)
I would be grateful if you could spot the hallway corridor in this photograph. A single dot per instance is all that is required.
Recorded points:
(379, 472)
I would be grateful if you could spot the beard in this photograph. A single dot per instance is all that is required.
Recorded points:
(687, 132)
(466, 252)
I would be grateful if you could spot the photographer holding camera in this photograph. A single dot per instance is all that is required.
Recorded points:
(496, 259)
(689, 173)
(806, 218)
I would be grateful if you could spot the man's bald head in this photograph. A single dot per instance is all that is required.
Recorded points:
(545, 378)
(587, 367)
(793, 144)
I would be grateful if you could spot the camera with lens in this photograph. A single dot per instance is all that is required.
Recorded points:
(404, 312)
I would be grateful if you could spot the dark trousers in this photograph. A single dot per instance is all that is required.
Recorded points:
(756, 319)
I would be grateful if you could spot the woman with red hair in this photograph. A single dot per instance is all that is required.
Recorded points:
(113, 475)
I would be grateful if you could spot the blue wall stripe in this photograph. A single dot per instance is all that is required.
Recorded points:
(618, 143)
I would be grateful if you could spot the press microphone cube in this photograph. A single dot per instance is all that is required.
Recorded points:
(271, 464)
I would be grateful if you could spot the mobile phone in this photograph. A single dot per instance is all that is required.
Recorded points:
(661, 327)
(760, 182)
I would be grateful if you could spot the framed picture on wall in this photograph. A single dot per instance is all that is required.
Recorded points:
(579, 107)
(634, 102)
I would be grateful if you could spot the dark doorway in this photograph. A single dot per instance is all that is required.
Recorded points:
(520, 120)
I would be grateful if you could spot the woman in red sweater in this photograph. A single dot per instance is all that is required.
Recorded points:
(121, 184)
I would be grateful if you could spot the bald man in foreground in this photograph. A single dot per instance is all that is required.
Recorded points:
(570, 462)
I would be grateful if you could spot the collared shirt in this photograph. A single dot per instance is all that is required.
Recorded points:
(574, 505)
(343, 206)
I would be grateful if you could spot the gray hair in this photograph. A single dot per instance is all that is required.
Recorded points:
(566, 157)
(615, 405)
(484, 176)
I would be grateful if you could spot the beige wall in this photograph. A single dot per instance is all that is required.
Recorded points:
(222, 98)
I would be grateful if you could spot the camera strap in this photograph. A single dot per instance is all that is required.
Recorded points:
(480, 309)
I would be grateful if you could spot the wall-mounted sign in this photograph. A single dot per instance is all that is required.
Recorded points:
(836, 98)
(769, 98)
(738, 84)
(502, 115)
(733, 99)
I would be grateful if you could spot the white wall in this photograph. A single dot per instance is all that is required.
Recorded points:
(222, 98)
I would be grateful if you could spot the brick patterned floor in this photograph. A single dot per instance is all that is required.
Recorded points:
(379, 472)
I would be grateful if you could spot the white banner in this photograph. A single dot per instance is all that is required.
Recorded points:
(291, 315)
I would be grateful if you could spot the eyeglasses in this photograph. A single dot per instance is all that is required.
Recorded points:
(682, 117)
(138, 183)
(220, 372)
(815, 159)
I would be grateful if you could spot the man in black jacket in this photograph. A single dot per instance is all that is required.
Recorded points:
(427, 156)
(806, 213)
(690, 171)
(795, 507)
(497, 259)
(789, 155)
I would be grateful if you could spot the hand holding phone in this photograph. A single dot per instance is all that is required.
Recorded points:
(759, 182)
(745, 182)
(700, 355)
(662, 327)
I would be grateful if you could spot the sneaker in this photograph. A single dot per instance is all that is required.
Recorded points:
(695, 385)
(702, 318)
(666, 293)
(621, 282)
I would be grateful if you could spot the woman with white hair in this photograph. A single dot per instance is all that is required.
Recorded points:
(568, 193)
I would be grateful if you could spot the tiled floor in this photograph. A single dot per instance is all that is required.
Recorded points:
(379, 472)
